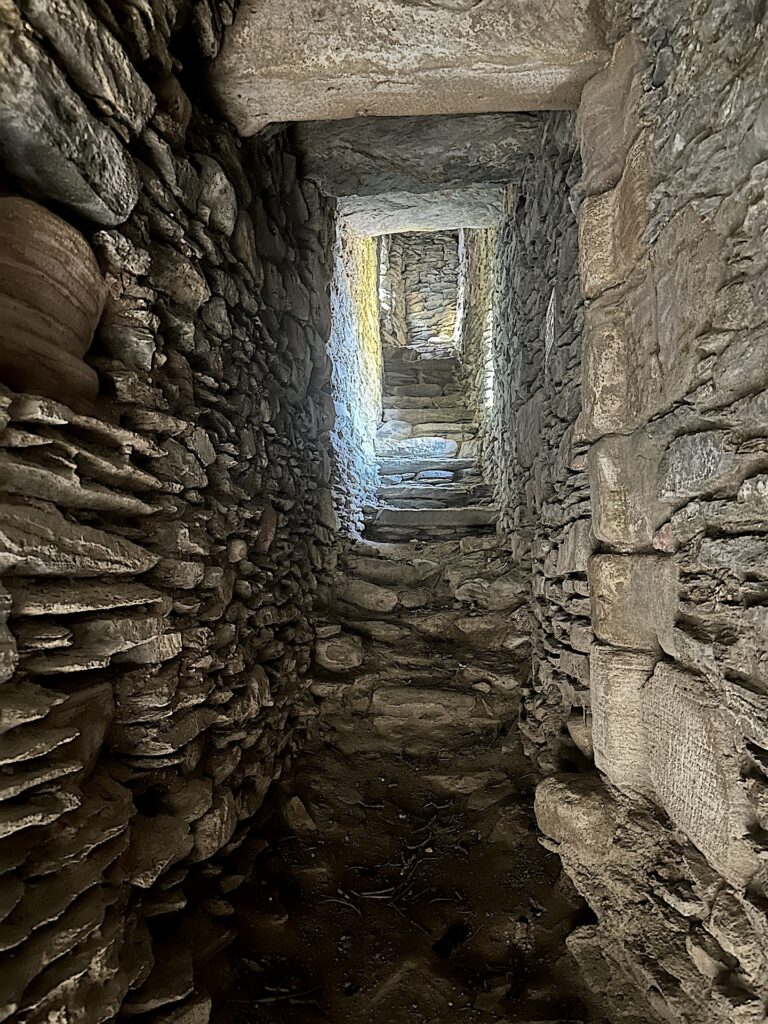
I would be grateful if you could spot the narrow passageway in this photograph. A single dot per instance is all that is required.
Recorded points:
(406, 883)
(383, 512)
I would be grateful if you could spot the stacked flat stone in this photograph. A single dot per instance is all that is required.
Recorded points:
(160, 556)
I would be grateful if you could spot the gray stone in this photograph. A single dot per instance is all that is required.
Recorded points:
(40, 541)
(369, 157)
(176, 276)
(53, 146)
(608, 119)
(619, 735)
(471, 206)
(634, 600)
(339, 653)
(430, 60)
(367, 596)
(94, 59)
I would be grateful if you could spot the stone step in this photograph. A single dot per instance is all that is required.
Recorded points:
(447, 382)
(412, 390)
(424, 518)
(433, 447)
(452, 414)
(424, 401)
(457, 431)
(404, 359)
(395, 465)
(427, 496)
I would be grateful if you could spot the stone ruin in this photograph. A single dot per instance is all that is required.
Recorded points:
(383, 512)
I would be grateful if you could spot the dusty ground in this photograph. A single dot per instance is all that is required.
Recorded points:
(420, 895)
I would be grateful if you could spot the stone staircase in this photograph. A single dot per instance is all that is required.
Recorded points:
(431, 485)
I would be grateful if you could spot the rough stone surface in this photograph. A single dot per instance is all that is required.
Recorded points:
(471, 206)
(369, 157)
(399, 57)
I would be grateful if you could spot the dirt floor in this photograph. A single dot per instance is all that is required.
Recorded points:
(397, 890)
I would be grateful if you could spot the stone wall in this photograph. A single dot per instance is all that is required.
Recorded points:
(475, 337)
(392, 312)
(355, 351)
(673, 262)
(420, 289)
(541, 481)
(160, 554)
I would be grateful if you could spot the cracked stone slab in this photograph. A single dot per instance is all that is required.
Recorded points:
(470, 206)
(303, 61)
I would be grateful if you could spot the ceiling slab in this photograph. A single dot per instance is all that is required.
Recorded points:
(308, 60)
(372, 155)
(474, 206)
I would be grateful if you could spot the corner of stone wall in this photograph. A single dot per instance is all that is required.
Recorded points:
(355, 348)
(673, 426)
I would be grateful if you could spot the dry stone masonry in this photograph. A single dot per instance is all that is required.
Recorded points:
(383, 504)
(166, 514)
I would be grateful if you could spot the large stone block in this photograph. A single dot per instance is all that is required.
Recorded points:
(577, 810)
(634, 600)
(370, 156)
(39, 541)
(695, 770)
(94, 59)
(705, 463)
(640, 338)
(624, 487)
(617, 679)
(53, 145)
(608, 116)
(305, 62)
(469, 206)
(611, 227)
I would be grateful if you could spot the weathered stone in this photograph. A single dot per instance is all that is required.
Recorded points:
(51, 597)
(470, 206)
(53, 145)
(176, 276)
(8, 655)
(634, 600)
(40, 541)
(625, 489)
(367, 596)
(343, 65)
(94, 59)
(217, 202)
(695, 770)
(296, 816)
(215, 828)
(608, 116)
(368, 156)
(611, 227)
(190, 799)
(339, 654)
(617, 679)
(156, 843)
(18, 477)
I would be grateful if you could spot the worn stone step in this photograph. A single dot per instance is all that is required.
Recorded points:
(424, 401)
(452, 414)
(433, 447)
(424, 518)
(463, 432)
(394, 465)
(412, 390)
(429, 495)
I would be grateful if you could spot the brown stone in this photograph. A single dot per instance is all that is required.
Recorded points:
(611, 227)
(51, 297)
(634, 600)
